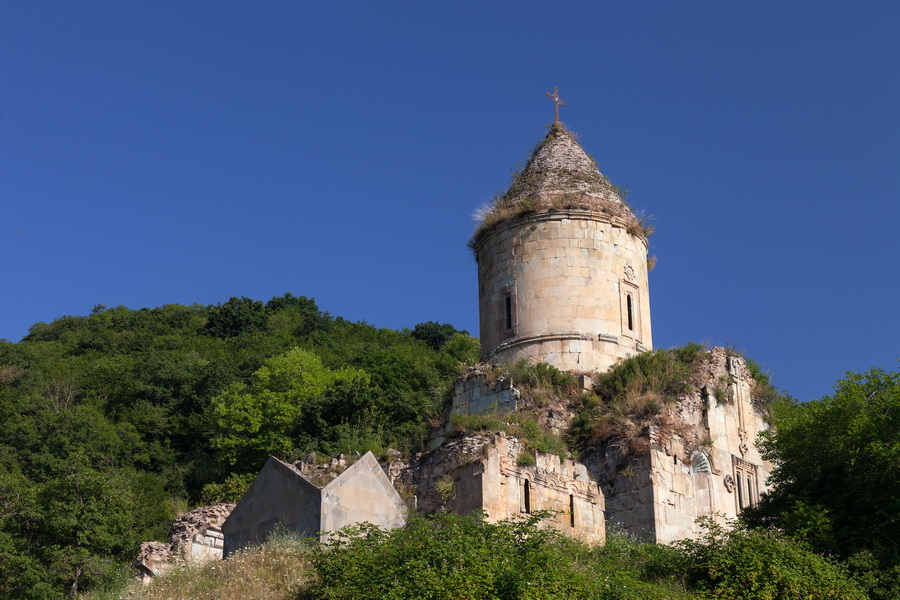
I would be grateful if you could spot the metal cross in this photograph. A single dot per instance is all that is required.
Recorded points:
(557, 101)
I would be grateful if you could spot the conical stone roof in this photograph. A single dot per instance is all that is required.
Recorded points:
(559, 175)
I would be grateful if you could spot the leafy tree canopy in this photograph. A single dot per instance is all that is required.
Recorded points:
(261, 418)
(837, 473)
(143, 410)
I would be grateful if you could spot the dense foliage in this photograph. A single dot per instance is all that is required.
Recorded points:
(742, 564)
(448, 556)
(111, 423)
(465, 557)
(837, 476)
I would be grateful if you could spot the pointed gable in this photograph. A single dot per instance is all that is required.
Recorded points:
(281, 497)
(278, 497)
(362, 494)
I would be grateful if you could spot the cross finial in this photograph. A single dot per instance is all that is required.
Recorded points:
(557, 101)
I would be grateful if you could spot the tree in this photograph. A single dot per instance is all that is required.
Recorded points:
(261, 418)
(837, 471)
(237, 316)
(435, 334)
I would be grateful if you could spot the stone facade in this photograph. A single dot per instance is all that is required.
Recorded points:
(562, 279)
(566, 287)
(489, 473)
(474, 392)
(282, 497)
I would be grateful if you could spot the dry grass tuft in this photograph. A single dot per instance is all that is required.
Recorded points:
(273, 571)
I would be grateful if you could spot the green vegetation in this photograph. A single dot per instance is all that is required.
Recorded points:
(633, 395)
(272, 571)
(520, 424)
(540, 385)
(742, 564)
(837, 476)
(447, 556)
(111, 423)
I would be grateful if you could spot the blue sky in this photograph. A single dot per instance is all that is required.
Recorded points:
(187, 152)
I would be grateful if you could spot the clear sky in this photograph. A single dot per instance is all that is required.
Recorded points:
(186, 152)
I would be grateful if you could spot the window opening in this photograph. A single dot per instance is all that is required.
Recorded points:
(527, 497)
(571, 510)
(749, 491)
(630, 312)
(740, 492)
(508, 302)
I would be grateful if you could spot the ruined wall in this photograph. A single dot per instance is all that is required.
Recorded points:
(627, 487)
(557, 286)
(659, 494)
(475, 392)
(483, 472)
(195, 537)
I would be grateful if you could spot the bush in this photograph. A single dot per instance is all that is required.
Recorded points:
(449, 556)
(743, 564)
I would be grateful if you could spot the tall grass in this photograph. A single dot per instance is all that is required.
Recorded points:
(273, 571)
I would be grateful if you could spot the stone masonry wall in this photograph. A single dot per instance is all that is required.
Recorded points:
(565, 276)
(482, 472)
(659, 495)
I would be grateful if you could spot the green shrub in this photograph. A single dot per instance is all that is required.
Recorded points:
(742, 564)
(448, 556)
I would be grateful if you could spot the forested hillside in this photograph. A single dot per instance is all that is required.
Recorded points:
(110, 424)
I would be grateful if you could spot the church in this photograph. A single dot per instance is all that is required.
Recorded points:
(563, 279)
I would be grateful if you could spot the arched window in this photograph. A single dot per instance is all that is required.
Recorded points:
(630, 306)
(527, 497)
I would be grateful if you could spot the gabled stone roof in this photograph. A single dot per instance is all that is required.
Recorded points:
(559, 175)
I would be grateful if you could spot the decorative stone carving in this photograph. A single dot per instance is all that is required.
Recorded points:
(629, 273)
(729, 483)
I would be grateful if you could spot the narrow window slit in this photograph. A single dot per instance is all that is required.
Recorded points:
(630, 312)
(571, 510)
